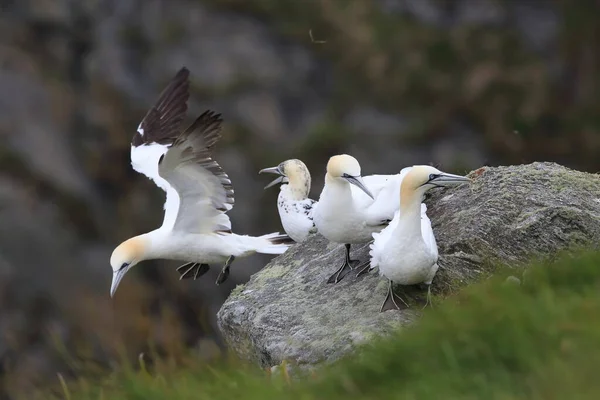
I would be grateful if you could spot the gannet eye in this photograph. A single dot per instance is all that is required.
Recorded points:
(125, 265)
(432, 176)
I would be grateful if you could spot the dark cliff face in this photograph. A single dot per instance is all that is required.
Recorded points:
(392, 82)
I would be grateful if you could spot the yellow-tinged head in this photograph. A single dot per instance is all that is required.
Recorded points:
(420, 178)
(345, 167)
(341, 165)
(293, 172)
(124, 257)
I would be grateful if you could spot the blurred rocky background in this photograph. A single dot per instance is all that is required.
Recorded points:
(458, 84)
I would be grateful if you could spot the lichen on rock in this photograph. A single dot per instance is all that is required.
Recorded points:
(507, 215)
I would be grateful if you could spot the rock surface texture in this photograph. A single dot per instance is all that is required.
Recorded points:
(287, 311)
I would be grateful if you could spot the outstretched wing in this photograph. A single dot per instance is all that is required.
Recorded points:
(204, 190)
(160, 127)
(162, 122)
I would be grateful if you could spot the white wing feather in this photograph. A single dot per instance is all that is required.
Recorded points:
(156, 133)
(381, 238)
(144, 159)
(386, 190)
(204, 190)
(427, 231)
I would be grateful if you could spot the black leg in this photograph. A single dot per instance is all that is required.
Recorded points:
(363, 269)
(192, 270)
(186, 270)
(344, 268)
(392, 300)
(224, 274)
(428, 297)
(201, 270)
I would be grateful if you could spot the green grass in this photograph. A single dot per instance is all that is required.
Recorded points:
(538, 340)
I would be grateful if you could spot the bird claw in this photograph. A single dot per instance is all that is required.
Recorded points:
(192, 270)
(340, 273)
(224, 274)
(390, 302)
(186, 270)
(366, 268)
(201, 270)
(428, 302)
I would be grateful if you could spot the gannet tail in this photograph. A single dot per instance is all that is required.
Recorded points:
(272, 243)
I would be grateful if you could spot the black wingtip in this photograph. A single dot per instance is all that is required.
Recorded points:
(209, 124)
(282, 239)
(183, 71)
(162, 122)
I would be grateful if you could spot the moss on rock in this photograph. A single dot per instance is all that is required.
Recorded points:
(508, 216)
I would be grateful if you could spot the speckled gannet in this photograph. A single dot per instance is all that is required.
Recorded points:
(195, 227)
(294, 206)
(406, 251)
(351, 209)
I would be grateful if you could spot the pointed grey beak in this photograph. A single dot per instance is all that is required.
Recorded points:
(358, 181)
(444, 179)
(117, 277)
(273, 170)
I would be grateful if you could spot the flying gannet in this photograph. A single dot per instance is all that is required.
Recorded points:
(294, 206)
(350, 209)
(195, 228)
(406, 251)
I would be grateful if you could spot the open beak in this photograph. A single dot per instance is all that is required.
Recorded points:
(358, 181)
(445, 180)
(273, 170)
(117, 277)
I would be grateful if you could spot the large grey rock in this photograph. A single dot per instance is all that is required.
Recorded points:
(508, 214)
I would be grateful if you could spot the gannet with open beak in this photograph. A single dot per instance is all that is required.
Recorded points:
(406, 251)
(294, 207)
(350, 209)
(195, 228)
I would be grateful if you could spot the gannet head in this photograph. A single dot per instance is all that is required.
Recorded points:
(293, 172)
(123, 258)
(421, 178)
(345, 167)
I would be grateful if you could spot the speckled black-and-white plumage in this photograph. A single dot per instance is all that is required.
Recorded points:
(296, 215)
(294, 206)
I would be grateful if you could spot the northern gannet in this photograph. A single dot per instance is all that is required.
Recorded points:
(406, 251)
(195, 227)
(294, 206)
(351, 209)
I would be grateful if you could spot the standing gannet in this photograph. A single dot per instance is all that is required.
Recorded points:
(294, 206)
(405, 251)
(351, 209)
(195, 227)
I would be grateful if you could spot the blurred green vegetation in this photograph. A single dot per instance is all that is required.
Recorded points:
(527, 105)
(494, 340)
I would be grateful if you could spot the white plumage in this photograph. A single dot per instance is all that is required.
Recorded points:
(415, 248)
(406, 251)
(296, 215)
(351, 208)
(294, 207)
(195, 227)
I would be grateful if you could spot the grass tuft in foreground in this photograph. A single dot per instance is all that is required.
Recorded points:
(538, 340)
